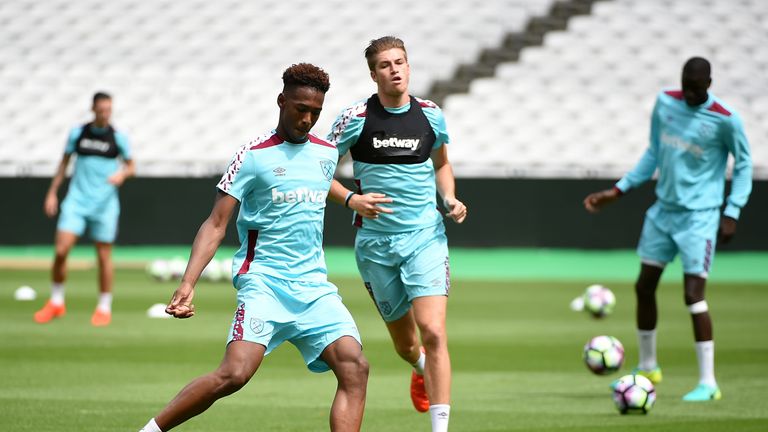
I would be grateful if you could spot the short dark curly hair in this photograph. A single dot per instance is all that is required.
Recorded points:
(305, 74)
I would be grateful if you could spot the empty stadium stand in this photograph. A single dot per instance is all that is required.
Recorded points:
(195, 79)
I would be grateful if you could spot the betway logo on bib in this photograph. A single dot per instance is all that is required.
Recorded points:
(409, 143)
(89, 144)
(298, 195)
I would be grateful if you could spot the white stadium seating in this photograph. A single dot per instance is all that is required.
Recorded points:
(579, 106)
(195, 79)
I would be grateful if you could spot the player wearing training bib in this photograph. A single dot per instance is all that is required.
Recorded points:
(398, 147)
(692, 134)
(281, 181)
(102, 163)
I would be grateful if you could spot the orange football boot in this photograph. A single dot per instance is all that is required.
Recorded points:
(101, 318)
(419, 392)
(49, 312)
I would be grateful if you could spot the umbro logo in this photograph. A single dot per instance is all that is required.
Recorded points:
(279, 171)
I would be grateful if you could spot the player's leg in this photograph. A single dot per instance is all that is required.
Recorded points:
(55, 307)
(656, 248)
(429, 313)
(241, 360)
(346, 360)
(388, 294)
(697, 246)
(103, 230)
(102, 315)
(426, 277)
(707, 389)
(404, 335)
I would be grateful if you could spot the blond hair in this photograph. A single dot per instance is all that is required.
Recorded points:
(382, 44)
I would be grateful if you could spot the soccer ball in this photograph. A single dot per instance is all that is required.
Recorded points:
(159, 269)
(599, 301)
(603, 355)
(634, 394)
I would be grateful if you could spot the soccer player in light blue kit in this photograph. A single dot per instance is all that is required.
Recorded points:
(692, 133)
(400, 157)
(281, 181)
(92, 202)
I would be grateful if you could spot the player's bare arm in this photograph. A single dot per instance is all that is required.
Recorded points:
(446, 185)
(366, 205)
(127, 171)
(51, 205)
(595, 201)
(207, 240)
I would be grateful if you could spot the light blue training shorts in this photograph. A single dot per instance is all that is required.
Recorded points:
(270, 313)
(101, 221)
(692, 233)
(396, 268)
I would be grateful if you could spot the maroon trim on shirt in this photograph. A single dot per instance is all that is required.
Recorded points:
(716, 107)
(271, 142)
(677, 94)
(253, 235)
(315, 140)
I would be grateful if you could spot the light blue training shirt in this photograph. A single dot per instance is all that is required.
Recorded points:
(411, 186)
(282, 189)
(690, 147)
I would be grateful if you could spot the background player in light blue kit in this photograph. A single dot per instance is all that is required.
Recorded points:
(281, 181)
(692, 133)
(399, 153)
(91, 203)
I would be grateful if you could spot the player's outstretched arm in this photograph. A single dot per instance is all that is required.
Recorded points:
(207, 240)
(366, 205)
(595, 201)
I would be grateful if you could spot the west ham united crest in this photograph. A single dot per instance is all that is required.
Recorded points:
(327, 166)
(385, 307)
(257, 325)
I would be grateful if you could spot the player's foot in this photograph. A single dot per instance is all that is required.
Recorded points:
(49, 312)
(653, 375)
(101, 318)
(703, 393)
(419, 393)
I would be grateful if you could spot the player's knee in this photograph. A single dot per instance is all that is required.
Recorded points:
(692, 296)
(406, 348)
(232, 380)
(354, 372)
(360, 368)
(644, 290)
(61, 252)
(433, 336)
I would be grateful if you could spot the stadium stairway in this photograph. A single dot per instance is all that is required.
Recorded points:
(509, 51)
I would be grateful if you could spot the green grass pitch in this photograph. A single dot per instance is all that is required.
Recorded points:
(515, 345)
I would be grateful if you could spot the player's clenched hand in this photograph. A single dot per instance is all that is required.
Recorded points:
(595, 201)
(368, 205)
(51, 206)
(181, 305)
(727, 229)
(456, 209)
(117, 178)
